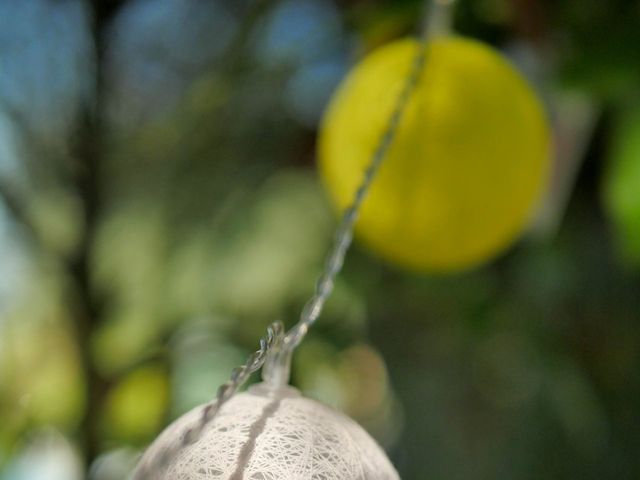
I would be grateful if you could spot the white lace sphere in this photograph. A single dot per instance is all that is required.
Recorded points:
(266, 435)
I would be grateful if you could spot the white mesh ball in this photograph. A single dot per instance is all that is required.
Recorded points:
(262, 435)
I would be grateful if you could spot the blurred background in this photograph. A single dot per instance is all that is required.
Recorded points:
(160, 206)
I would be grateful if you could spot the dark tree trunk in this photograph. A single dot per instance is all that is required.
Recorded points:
(87, 307)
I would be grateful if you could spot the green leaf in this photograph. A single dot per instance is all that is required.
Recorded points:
(622, 184)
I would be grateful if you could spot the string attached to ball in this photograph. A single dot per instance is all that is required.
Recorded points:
(272, 431)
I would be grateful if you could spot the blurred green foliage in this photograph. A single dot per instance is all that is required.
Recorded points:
(622, 180)
(211, 224)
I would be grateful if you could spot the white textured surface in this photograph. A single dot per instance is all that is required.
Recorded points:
(283, 437)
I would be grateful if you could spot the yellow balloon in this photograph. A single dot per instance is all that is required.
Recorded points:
(468, 164)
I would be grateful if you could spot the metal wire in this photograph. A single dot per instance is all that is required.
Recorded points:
(437, 23)
(239, 376)
(344, 234)
(313, 308)
(276, 339)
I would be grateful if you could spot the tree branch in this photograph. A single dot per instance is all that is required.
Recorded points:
(15, 207)
(88, 309)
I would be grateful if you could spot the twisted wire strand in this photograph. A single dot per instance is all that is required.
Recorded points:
(344, 234)
(276, 337)
(238, 377)
(313, 308)
(437, 22)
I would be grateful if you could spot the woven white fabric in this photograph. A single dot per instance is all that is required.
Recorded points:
(265, 436)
